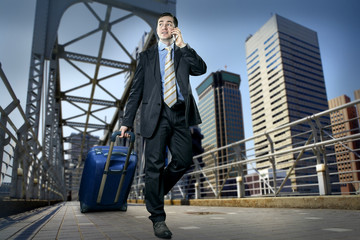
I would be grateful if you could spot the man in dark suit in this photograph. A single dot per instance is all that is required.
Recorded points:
(161, 83)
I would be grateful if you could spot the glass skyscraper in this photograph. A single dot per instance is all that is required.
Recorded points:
(221, 112)
(286, 83)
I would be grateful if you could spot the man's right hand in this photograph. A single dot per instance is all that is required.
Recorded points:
(123, 129)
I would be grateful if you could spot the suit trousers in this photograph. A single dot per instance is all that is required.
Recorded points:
(171, 132)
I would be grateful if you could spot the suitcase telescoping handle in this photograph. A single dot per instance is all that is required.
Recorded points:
(107, 164)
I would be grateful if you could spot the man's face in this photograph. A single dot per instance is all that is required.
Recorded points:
(164, 27)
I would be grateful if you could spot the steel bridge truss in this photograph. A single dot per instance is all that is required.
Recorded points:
(51, 110)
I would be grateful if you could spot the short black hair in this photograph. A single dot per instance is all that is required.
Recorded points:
(170, 15)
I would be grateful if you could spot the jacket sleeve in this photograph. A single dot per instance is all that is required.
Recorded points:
(135, 96)
(197, 65)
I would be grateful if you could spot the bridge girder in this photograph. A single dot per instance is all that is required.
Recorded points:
(45, 71)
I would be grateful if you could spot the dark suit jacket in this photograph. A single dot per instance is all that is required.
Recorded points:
(146, 88)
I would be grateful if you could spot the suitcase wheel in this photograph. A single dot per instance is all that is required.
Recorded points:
(83, 207)
(123, 208)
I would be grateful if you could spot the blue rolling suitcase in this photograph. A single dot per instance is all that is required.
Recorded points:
(107, 176)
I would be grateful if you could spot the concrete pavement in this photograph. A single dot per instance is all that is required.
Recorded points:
(65, 221)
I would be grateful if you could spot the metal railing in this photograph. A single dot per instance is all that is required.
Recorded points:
(314, 161)
(24, 174)
(319, 159)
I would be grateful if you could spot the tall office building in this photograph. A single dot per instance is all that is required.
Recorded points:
(286, 83)
(357, 97)
(221, 112)
(73, 179)
(344, 123)
(75, 141)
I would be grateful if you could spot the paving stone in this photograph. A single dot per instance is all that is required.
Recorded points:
(65, 221)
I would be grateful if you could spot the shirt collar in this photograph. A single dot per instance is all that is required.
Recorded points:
(162, 46)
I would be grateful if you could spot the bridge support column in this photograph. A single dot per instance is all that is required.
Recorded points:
(36, 192)
(43, 191)
(5, 141)
(197, 190)
(240, 187)
(321, 173)
(18, 176)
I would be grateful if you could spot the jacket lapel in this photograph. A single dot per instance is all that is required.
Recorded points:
(182, 84)
(154, 61)
(177, 56)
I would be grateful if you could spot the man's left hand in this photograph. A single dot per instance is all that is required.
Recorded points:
(179, 41)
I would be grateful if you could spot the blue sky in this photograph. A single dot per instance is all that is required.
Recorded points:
(217, 31)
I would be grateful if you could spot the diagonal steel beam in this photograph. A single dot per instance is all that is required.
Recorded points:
(88, 100)
(105, 29)
(84, 125)
(95, 60)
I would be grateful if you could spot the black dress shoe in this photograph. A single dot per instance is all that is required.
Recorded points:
(161, 230)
